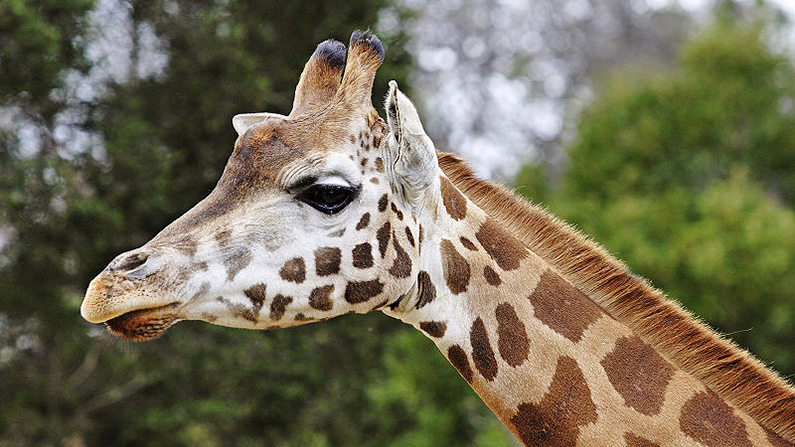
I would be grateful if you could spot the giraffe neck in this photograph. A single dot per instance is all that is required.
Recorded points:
(554, 367)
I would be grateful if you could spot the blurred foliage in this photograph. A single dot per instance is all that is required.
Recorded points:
(37, 41)
(160, 144)
(688, 175)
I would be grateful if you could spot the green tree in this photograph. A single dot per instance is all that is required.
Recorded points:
(687, 175)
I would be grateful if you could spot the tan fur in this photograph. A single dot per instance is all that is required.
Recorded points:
(317, 86)
(730, 371)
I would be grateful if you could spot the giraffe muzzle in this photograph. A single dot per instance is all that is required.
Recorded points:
(128, 296)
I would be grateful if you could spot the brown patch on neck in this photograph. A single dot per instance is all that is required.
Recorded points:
(639, 374)
(435, 329)
(562, 307)
(454, 202)
(491, 276)
(458, 358)
(710, 421)
(455, 268)
(426, 289)
(401, 267)
(690, 345)
(512, 340)
(482, 354)
(501, 245)
(556, 420)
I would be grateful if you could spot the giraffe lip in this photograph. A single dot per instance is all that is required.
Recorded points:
(144, 324)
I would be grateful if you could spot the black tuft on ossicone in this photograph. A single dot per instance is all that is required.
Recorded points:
(370, 40)
(332, 52)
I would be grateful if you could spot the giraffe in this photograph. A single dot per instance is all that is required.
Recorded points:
(331, 210)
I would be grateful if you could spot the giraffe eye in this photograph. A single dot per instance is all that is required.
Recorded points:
(329, 199)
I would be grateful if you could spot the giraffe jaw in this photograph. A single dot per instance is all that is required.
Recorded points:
(144, 324)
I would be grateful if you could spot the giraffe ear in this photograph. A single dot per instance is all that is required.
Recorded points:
(411, 156)
(243, 121)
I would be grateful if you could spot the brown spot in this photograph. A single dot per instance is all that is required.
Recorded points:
(383, 237)
(379, 165)
(410, 237)
(434, 328)
(556, 420)
(639, 374)
(362, 256)
(396, 211)
(505, 249)
(468, 244)
(401, 267)
(278, 305)
(562, 307)
(458, 358)
(636, 441)
(320, 298)
(426, 289)
(364, 161)
(256, 294)
(383, 202)
(712, 422)
(420, 237)
(293, 270)
(482, 354)
(491, 276)
(353, 139)
(327, 260)
(374, 180)
(454, 202)
(512, 339)
(237, 261)
(364, 221)
(361, 291)
(302, 317)
(455, 267)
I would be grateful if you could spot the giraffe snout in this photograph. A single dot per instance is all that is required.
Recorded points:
(127, 284)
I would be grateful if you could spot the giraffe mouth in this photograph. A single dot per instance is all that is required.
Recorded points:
(144, 324)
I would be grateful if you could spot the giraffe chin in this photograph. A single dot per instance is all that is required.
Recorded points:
(143, 324)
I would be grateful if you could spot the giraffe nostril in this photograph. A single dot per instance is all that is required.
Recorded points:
(128, 262)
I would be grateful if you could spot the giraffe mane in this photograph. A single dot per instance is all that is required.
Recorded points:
(730, 371)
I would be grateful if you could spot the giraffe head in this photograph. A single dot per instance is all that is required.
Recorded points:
(314, 215)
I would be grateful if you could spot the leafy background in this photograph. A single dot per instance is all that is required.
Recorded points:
(664, 132)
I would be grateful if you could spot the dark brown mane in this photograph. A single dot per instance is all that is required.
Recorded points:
(730, 371)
